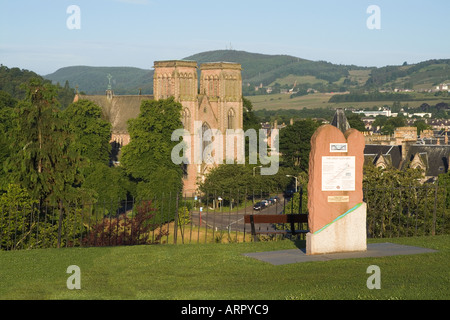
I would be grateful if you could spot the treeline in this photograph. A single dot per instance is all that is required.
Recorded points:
(56, 170)
(12, 81)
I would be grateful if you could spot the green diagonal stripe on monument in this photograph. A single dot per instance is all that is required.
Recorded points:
(341, 216)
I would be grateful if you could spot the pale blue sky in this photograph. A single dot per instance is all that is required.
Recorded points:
(34, 35)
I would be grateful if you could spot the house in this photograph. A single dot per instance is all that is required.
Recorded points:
(384, 156)
(432, 159)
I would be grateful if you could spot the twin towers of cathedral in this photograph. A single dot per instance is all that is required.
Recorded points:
(217, 104)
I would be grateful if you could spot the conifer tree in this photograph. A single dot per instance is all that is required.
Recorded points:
(44, 161)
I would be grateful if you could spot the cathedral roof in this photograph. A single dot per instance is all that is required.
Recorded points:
(118, 109)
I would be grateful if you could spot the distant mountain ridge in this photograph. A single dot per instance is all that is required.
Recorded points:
(265, 70)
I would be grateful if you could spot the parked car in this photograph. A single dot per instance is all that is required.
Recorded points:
(259, 205)
(274, 199)
(266, 202)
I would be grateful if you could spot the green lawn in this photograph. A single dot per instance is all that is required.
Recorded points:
(220, 271)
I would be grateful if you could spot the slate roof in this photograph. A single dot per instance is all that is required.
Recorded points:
(392, 153)
(435, 157)
(119, 109)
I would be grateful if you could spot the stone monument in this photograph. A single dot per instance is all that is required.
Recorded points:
(337, 213)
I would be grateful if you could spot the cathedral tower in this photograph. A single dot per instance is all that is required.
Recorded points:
(217, 105)
(221, 83)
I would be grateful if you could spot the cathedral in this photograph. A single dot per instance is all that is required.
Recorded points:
(212, 97)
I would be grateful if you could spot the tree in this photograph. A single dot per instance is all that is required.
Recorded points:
(44, 161)
(295, 144)
(7, 105)
(147, 158)
(421, 126)
(110, 186)
(398, 203)
(236, 181)
(388, 125)
(251, 121)
(91, 133)
(355, 122)
(15, 208)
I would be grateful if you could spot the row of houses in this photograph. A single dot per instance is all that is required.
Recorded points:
(406, 149)
(434, 124)
(429, 152)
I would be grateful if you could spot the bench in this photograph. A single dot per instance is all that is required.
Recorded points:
(291, 219)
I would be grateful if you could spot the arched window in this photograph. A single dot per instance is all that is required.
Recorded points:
(207, 140)
(231, 119)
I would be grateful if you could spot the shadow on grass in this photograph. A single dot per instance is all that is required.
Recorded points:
(300, 244)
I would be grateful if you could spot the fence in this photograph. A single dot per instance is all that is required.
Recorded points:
(407, 210)
(214, 217)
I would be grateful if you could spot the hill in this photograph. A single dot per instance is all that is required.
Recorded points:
(279, 72)
(420, 76)
(94, 80)
(282, 71)
(257, 69)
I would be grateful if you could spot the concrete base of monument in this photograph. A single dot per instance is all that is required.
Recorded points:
(347, 233)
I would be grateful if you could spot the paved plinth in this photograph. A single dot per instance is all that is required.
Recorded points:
(299, 255)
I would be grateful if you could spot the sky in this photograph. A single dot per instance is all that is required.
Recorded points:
(43, 35)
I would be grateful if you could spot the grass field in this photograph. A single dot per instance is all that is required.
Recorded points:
(220, 271)
(320, 100)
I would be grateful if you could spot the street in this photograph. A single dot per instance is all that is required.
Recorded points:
(233, 220)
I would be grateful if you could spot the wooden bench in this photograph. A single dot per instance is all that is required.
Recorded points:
(291, 219)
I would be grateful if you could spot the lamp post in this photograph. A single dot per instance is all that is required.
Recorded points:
(296, 181)
(255, 168)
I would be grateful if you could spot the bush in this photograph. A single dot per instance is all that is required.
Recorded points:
(122, 230)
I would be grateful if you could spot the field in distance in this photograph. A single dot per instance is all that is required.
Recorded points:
(320, 100)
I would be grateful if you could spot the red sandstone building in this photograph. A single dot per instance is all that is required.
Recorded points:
(212, 97)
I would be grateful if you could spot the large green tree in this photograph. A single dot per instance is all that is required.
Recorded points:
(244, 178)
(91, 133)
(7, 105)
(147, 158)
(295, 144)
(44, 161)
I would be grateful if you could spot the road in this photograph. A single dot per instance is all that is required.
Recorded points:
(233, 220)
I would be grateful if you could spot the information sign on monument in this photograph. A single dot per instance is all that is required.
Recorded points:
(338, 173)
